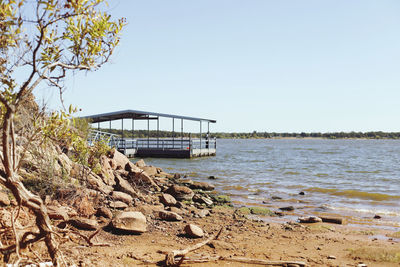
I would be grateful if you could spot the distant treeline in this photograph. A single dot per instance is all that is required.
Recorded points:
(254, 134)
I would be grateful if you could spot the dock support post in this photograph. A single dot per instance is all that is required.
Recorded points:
(158, 130)
(133, 128)
(181, 133)
(148, 132)
(123, 141)
(200, 137)
(98, 126)
(173, 133)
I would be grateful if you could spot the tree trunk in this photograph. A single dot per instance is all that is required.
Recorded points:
(35, 204)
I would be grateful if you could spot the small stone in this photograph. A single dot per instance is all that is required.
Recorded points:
(377, 216)
(180, 192)
(203, 213)
(168, 200)
(310, 219)
(288, 208)
(362, 265)
(193, 231)
(302, 193)
(57, 213)
(169, 216)
(202, 199)
(121, 196)
(118, 205)
(104, 212)
(131, 221)
(202, 186)
(140, 163)
(212, 177)
(276, 197)
(331, 257)
(83, 223)
(177, 176)
(4, 200)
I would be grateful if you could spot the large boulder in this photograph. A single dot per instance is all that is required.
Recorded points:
(140, 177)
(120, 160)
(180, 192)
(106, 171)
(130, 221)
(124, 186)
(140, 163)
(150, 170)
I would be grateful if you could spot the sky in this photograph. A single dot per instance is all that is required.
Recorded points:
(255, 65)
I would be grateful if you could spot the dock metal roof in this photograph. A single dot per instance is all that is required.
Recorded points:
(138, 115)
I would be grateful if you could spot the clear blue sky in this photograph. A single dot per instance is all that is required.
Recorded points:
(283, 66)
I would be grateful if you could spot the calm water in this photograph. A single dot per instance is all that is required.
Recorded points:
(357, 178)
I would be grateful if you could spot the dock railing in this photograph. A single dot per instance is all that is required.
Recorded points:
(167, 143)
(108, 138)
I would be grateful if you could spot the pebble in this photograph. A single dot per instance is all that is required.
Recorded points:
(331, 257)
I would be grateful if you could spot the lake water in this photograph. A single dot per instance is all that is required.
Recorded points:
(352, 178)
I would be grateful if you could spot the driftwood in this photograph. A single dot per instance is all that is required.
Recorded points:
(336, 220)
(170, 258)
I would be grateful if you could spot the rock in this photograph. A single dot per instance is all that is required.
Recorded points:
(5, 219)
(130, 221)
(121, 196)
(310, 219)
(276, 197)
(220, 244)
(288, 208)
(104, 212)
(150, 170)
(222, 199)
(124, 186)
(193, 231)
(202, 186)
(212, 177)
(180, 192)
(332, 220)
(203, 213)
(106, 171)
(261, 211)
(377, 216)
(169, 216)
(118, 205)
(177, 210)
(138, 176)
(97, 183)
(331, 257)
(140, 163)
(83, 223)
(150, 209)
(177, 176)
(120, 159)
(186, 182)
(168, 200)
(203, 199)
(57, 213)
(302, 193)
(362, 265)
(4, 200)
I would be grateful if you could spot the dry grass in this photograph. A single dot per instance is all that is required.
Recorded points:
(376, 254)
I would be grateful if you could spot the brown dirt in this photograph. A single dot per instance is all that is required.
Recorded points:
(310, 243)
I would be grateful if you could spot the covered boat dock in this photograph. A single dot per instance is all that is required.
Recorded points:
(176, 146)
